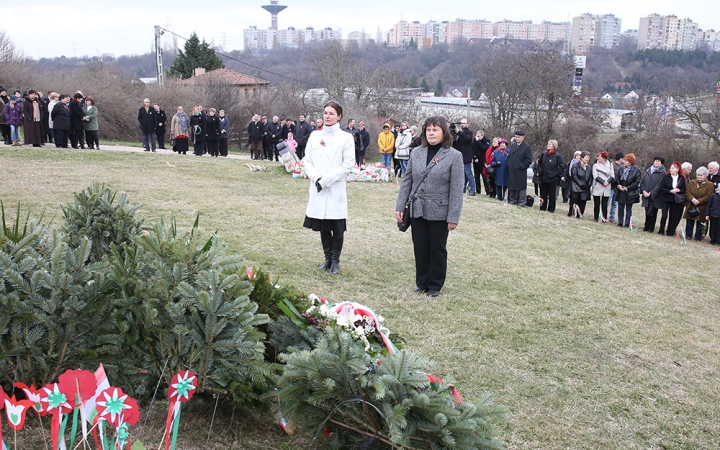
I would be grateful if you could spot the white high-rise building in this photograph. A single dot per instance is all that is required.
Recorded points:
(667, 33)
(584, 33)
(609, 30)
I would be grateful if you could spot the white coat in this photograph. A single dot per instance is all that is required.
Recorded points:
(329, 157)
(603, 172)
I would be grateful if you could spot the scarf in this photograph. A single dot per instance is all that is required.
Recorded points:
(36, 111)
(551, 152)
(625, 173)
(183, 121)
(654, 169)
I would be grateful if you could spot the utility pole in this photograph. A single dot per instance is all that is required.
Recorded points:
(158, 56)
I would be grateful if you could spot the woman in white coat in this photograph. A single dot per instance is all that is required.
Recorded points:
(329, 157)
(603, 176)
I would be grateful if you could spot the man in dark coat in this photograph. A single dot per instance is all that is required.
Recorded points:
(267, 151)
(148, 124)
(61, 121)
(463, 143)
(44, 103)
(77, 134)
(274, 133)
(650, 192)
(160, 130)
(519, 159)
(255, 132)
(364, 143)
(302, 133)
(355, 132)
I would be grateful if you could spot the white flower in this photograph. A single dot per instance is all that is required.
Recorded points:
(367, 344)
(324, 310)
(311, 309)
(341, 320)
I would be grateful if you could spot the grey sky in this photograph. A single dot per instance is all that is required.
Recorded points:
(77, 28)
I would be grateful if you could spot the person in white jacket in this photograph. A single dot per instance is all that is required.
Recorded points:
(329, 157)
(402, 147)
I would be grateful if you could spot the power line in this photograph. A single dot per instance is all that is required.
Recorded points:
(243, 62)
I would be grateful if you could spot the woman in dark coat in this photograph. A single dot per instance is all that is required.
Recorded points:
(480, 147)
(77, 119)
(61, 121)
(628, 189)
(224, 133)
(212, 132)
(581, 176)
(197, 125)
(671, 184)
(32, 120)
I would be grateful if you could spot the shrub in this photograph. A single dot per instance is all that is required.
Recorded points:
(96, 215)
(182, 305)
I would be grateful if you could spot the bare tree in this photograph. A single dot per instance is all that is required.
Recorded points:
(496, 78)
(331, 62)
(8, 52)
(700, 109)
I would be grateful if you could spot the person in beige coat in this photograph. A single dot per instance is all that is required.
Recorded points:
(603, 175)
(697, 194)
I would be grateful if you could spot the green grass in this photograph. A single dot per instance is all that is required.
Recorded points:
(593, 337)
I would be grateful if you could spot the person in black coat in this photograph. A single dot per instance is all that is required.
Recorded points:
(212, 133)
(672, 188)
(628, 189)
(61, 121)
(712, 215)
(160, 130)
(77, 133)
(197, 127)
(302, 134)
(45, 113)
(255, 131)
(519, 159)
(148, 124)
(365, 143)
(581, 176)
(650, 189)
(480, 146)
(274, 134)
(551, 168)
(462, 142)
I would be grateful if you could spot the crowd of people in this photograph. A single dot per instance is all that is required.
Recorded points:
(266, 137)
(207, 131)
(31, 118)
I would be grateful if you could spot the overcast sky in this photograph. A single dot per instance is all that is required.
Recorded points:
(45, 28)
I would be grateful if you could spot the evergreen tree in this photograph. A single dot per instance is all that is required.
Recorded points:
(197, 54)
(439, 90)
(424, 85)
(413, 81)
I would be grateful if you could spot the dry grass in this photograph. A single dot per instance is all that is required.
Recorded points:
(594, 337)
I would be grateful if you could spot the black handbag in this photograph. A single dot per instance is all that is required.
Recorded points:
(491, 170)
(680, 199)
(694, 211)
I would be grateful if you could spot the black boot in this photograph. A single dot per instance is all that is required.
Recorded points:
(337, 245)
(326, 239)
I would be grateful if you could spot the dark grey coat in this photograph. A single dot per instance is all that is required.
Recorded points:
(519, 159)
(440, 197)
(651, 183)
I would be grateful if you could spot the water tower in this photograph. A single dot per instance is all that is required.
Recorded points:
(273, 8)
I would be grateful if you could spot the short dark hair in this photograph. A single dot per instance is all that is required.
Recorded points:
(659, 158)
(441, 122)
(62, 96)
(77, 96)
(336, 106)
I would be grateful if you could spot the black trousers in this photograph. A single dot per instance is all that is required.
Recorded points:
(300, 151)
(671, 212)
(548, 195)
(650, 218)
(160, 139)
(212, 147)
(223, 147)
(91, 136)
(77, 138)
(477, 174)
(5, 130)
(267, 150)
(61, 138)
(577, 200)
(714, 231)
(430, 247)
(600, 204)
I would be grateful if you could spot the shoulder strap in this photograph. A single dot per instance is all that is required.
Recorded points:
(422, 180)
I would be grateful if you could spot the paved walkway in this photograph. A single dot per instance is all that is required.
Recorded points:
(124, 148)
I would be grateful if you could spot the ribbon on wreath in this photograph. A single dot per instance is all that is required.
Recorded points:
(633, 224)
(681, 235)
(182, 387)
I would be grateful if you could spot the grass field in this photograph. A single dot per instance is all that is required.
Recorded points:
(592, 336)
